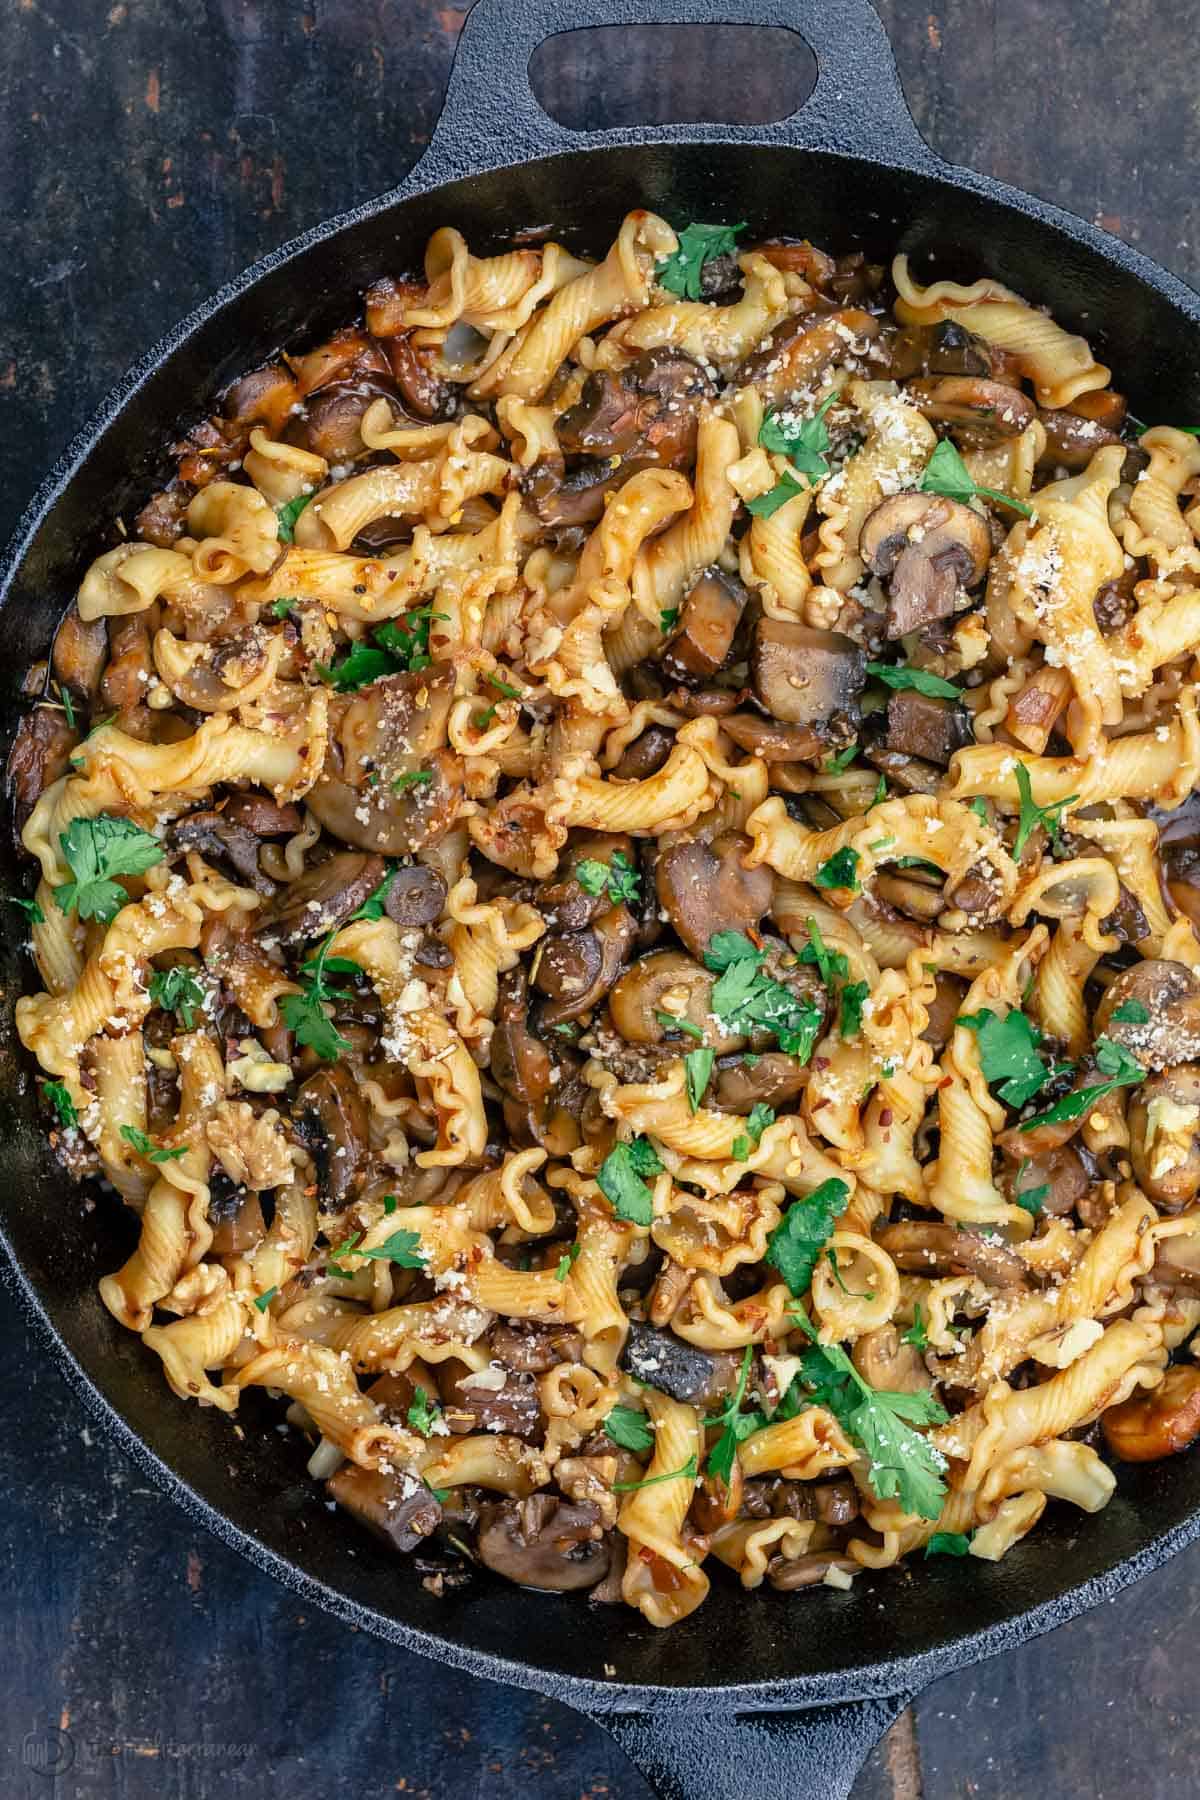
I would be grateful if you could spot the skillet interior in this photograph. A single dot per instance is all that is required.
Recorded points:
(257, 1482)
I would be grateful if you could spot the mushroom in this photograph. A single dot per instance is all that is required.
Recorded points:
(424, 392)
(330, 1119)
(705, 888)
(544, 1542)
(930, 548)
(1164, 1136)
(1149, 1426)
(398, 1508)
(646, 754)
(533, 1348)
(262, 815)
(330, 425)
(808, 1571)
(493, 1399)
(521, 1064)
(800, 349)
(910, 894)
(212, 834)
(79, 654)
(236, 1217)
(775, 1497)
(1072, 440)
(802, 676)
(908, 773)
(885, 1362)
(389, 785)
(416, 895)
(990, 410)
(944, 1009)
(1068, 1173)
(925, 726)
(161, 521)
(945, 349)
(264, 396)
(647, 413)
(41, 752)
(665, 1362)
(563, 901)
(575, 969)
(1169, 993)
(922, 1247)
(769, 1080)
(708, 620)
(773, 742)
(666, 982)
(325, 896)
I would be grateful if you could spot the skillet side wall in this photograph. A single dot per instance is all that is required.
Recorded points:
(259, 1482)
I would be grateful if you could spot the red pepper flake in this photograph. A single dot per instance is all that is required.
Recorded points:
(885, 1117)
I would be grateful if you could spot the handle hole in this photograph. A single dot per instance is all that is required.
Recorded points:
(605, 75)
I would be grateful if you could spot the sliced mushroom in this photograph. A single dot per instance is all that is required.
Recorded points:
(1127, 921)
(991, 410)
(262, 397)
(1068, 1173)
(808, 1571)
(771, 1079)
(544, 1542)
(681, 1370)
(41, 752)
(944, 1009)
(389, 785)
(262, 815)
(521, 1063)
(776, 743)
(415, 896)
(577, 968)
(801, 348)
(705, 888)
(648, 411)
(161, 521)
(920, 1247)
(1164, 1136)
(1149, 1426)
(398, 1508)
(212, 834)
(330, 425)
(708, 620)
(666, 982)
(477, 1402)
(930, 549)
(945, 349)
(236, 1217)
(804, 677)
(925, 726)
(646, 755)
(533, 1348)
(325, 896)
(908, 773)
(563, 901)
(1072, 440)
(909, 893)
(1169, 993)
(330, 1118)
(79, 654)
(885, 1362)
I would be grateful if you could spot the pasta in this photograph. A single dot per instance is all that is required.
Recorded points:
(615, 886)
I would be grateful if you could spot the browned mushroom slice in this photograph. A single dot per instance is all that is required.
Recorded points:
(920, 899)
(649, 410)
(918, 1247)
(262, 397)
(776, 743)
(604, 420)
(1127, 921)
(533, 1348)
(930, 549)
(770, 1079)
(236, 1216)
(79, 654)
(213, 835)
(494, 1399)
(1071, 440)
(331, 423)
(262, 815)
(991, 409)
(804, 677)
(563, 902)
(646, 755)
(809, 1570)
(330, 1117)
(884, 1361)
(666, 982)
(665, 1362)
(1147, 1427)
(704, 888)
(325, 896)
(926, 726)
(521, 1063)
(415, 896)
(544, 1542)
(161, 521)
(1169, 994)
(1067, 1174)
(41, 752)
(800, 349)
(389, 784)
(579, 498)
(944, 1009)
(945, 349)
(708, 620)
(577, 968)
(1164, 1136)
(908, 773)
(398, 1508)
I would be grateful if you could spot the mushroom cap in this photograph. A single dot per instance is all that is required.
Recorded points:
(543, 1542)
(708, 620)
(802, 676)
(930, 547)
(704, 888)
(325, 896)
(1169, 992)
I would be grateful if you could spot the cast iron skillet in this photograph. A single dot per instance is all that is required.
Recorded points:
(754, 1693)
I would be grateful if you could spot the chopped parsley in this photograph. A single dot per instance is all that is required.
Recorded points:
(903, 675)
(145, 1146)
(30, 908)
(402, 1248)
(947, 474)
(177, 990)
(902, 1465)
(832, 965)
(835, 1270)
(1131, 1012)
(690, 1469)
(284, 607)
(745, 1000)
(566, 1262)
(759, 1117)
(96, 851)
(304, 1013)
(59, 1098)
(916, 1335)
(839, 871)
(1114, 1062)
(668, 618)
(735, 1425)
(1009, 1054)
(415, 778)
(681, 272)
(1033, 815)
(630, 1430)
(287, 516)
(837, 765)
(373, 906)
(979, 808)
(676, 1022)
(1031, 1198)
(805, 442)
(620, 1180)
(424, 1413)
(618, 875)
(949, 1543)
(802, 1233)
(262, 1301)
(854, 996)
(768, 504)
(698, 1068)
(68, 705)
(398, 646)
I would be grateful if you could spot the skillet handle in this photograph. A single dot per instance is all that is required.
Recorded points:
(727, 1756)
(491, 118)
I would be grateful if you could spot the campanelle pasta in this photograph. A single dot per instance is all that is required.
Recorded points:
(616, 883)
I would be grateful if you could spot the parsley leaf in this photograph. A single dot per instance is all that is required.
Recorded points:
(59, 1098)
(805, 442)
(262, 1301)
(30, 908)
(287, 516)
(332, 1264)
(1008, 1054)
(400, 645)
(902, 675)
(283, 607)
(1131, 1012)
(1113, 1061)
(800, 1236)
(1033, 815)
(726, 947)
(96, 851)
(620, 1180)
(566, 1262)
(414, 778)
(745, 1000)
(698, 1068)
(903, 1465)
(832, 965)
(916, 1335)
(630, 1430)
(676, 1022)
(690, 1469)
(850, 1018)
(785, 489)
(361, 665)
(947, 474)
(372, 907)
(668, 618)
(979, 808)
(177, 990)
(402, 1248)
(423, 1414)
(836, 765)
(618, 875)
(145, 1146)
(304, 1013)
(735, 1425)
(760, 1116)
(839, 871)
(681, 272)
(949, 1543)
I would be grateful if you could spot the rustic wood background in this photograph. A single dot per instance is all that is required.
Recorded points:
(149, 150)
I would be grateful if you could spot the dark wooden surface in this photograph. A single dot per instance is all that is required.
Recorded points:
(148, 150)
